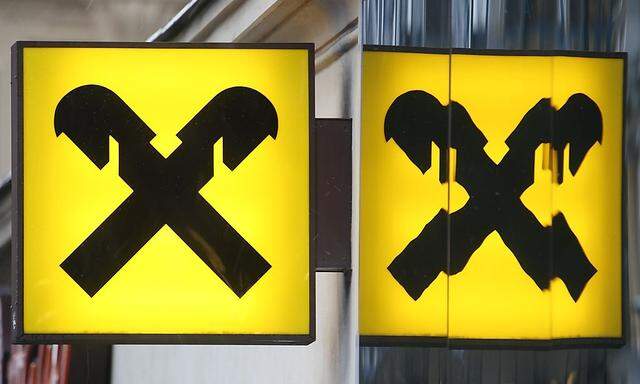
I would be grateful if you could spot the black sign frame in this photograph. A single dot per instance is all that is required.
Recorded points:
(17, 194)
(559, 343)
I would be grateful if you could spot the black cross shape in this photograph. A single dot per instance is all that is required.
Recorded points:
(416, 118)
(165, 191)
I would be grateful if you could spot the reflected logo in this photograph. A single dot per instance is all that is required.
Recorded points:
(416, 119)
(165, 190)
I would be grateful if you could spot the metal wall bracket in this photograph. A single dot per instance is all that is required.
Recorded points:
(333, 194)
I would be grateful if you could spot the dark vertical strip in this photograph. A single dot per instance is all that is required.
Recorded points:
(597, 370)
(90, 363)
(551, 131)
(525, 367)
(333, 167)
(448, 177)
(17, 185)
(507, 367)
(312, 194)
(624, 207)
(490, 367)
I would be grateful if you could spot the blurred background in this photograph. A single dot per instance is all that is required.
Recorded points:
(583, 25)
(337, 27)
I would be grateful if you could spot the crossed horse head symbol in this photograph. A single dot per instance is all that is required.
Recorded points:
(416, 119)
(165, 191)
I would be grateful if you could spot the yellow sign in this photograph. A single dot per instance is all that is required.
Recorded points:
(164, 192)
(491, 197)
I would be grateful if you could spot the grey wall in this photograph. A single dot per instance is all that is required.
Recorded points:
(598, 25)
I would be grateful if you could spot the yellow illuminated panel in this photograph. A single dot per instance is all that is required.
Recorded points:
(592, 201)
(529, 254)
(396, 198)
(487, 298)
(165, 288)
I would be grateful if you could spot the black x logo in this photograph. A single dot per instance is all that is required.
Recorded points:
(416, 118)
(165, 191)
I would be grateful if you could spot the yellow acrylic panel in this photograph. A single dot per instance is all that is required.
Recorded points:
(165, 288)
(396, 198)
(492, 297)
(495, 295)
(591, 201)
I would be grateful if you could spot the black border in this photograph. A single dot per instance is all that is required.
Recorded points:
(19, 336)
(560, 343)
